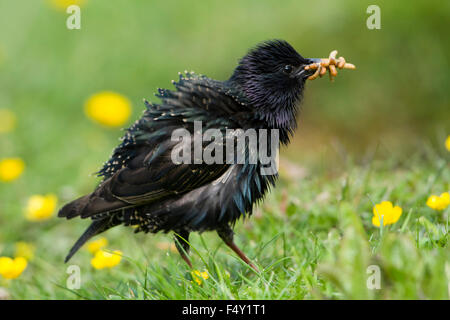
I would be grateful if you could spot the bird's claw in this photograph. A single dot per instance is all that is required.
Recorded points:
(331, 63)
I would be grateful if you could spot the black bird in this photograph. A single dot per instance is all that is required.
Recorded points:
(144, 188)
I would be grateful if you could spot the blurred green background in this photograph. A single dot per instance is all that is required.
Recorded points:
(135, 46)
(397, 101)
(398, 95)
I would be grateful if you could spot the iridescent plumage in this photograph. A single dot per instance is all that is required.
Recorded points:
(143, 187)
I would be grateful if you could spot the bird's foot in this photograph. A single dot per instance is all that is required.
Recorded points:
(181, 243)
(226, 234)
(187, 260)
(242, 255)
(331, 63)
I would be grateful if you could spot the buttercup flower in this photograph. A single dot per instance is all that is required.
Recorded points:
(11, 169)
(103, 259)
(7, 120)
(387, 212)
(12, 268)
(108, 108)
(94, 246)
(198, 276)
(25, 250)
(439, 202)
(40, 207)
(447, 143)
(63, 4)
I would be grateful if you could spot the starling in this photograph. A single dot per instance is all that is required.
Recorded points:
(143, 187)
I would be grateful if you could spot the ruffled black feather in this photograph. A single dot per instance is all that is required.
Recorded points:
(141, 185)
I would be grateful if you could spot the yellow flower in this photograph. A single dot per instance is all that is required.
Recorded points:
(103, 259)
(108, 108)
(40, 207)
(94, 246)
(63, 4)
(12, 268)
(439, 202)
(197, 276)
(387, 212)
(25, 250)
(447, 143)
(11, 169)
(8, 120)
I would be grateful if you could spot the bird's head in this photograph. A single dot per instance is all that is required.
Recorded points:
(272, 78)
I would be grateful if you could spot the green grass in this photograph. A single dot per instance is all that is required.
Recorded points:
(312, 239)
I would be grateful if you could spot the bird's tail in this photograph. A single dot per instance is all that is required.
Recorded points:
(96, 227)
(74, 208)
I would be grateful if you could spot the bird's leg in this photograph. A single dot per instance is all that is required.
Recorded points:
(227, 234)
(182, 246)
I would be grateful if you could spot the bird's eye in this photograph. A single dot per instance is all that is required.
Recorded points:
(288, 69)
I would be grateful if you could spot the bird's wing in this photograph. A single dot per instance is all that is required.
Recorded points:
(196, 98)
(158, 176)
(141, 169)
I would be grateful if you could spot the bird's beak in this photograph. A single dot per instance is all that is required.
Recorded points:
(314, 60)
(302, 73)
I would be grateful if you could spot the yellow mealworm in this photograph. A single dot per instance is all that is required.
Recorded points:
(323, 70)
(330, 64)
(349, 66)
(333, 70)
